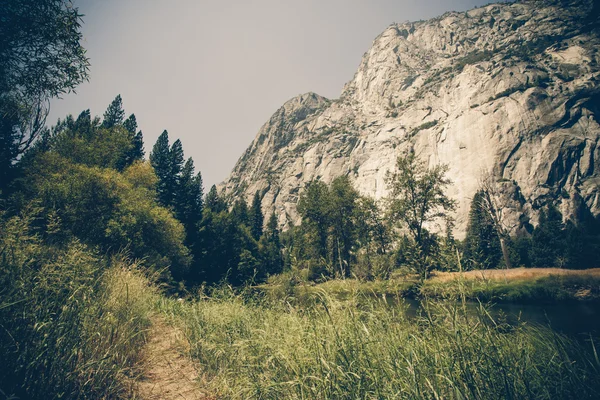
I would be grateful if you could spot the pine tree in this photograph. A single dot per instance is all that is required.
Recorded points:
(114, 114)
(131, 124)
(189, 202)
(240, 212)
(176, 159)
(271, 255)
(214, 202)
(582, 243)
(547, 240)
(482, 246)
(137, 152)
(256, 217)
(83, 124)
(160, 160)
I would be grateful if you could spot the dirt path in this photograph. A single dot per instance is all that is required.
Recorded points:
(169, 374)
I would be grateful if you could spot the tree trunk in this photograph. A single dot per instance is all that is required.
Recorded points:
(505, 253)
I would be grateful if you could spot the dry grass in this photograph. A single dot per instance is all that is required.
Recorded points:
(513, 274)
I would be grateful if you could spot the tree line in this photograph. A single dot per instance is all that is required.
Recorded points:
(344, 234)
(90, 180)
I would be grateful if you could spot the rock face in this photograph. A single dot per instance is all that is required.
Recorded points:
(510, 91)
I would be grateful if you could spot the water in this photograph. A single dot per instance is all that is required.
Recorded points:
(577, 320)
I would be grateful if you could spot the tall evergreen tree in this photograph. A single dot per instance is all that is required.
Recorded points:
(271, 256)
(83, 124)
(256, 217)
(137, 152)
(137, 140)
(176, 158)
(131, 124)
(114, 114)
(547, 240)
(189, 201)
(582, 238)
(482, 246)
(160, 159)
(240, 212)
(214, 202)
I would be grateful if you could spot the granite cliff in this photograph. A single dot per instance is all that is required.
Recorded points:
(509, 90)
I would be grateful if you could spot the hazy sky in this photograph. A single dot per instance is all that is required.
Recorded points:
(212, 72)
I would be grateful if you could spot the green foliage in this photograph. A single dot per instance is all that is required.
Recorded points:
(223, 240)
(474, 57)
(114, 114)
(373, 232)
(214, 201)
(73, 322)
(482, 244)
(582, 239)
(424, 126)
(417, 197)
(189, 202)
(40, 50)
(240, 212)
(547, 240)
(161, 159)
(41, 57)
(269, 246)
(313, 206)
(124, 213)
(329, 224)
(256, 217)
(130, 124)
(136, 153)
(85, 142)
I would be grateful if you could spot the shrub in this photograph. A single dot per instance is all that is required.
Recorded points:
(73, 322)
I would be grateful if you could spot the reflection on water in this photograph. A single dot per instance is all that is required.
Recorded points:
(573, 319)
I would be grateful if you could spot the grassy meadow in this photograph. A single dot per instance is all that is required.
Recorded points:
(249, 348)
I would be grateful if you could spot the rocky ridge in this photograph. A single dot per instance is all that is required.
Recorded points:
(509, 90)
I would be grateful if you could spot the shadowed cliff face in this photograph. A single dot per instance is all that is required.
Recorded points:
(511, 90)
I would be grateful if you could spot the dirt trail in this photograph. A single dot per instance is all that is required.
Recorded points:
(169, 374)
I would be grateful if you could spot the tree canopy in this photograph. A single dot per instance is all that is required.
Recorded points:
(41, 57)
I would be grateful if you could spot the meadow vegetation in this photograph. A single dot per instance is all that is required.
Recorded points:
(249, 348)
(73, 320)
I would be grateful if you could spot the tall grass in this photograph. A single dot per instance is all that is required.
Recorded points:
(71, 322)
(333, 349)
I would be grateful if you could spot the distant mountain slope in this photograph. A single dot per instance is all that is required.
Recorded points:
(510, 89)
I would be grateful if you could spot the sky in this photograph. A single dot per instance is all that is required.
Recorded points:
(213, 72)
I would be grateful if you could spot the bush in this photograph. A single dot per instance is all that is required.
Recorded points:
(73, 322)
(102, 207)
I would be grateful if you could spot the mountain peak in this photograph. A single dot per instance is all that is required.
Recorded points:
(509, 90)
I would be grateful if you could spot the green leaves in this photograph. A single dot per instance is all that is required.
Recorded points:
(417, 198)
